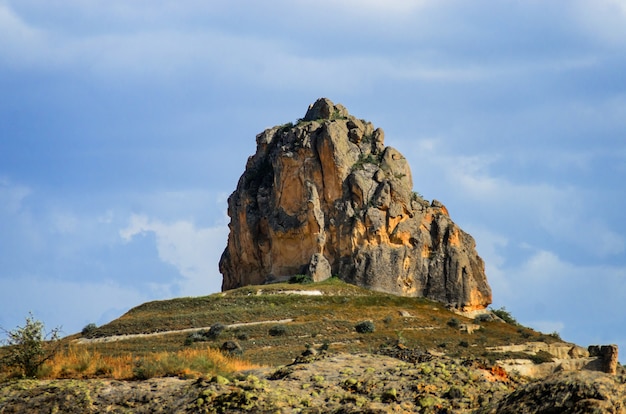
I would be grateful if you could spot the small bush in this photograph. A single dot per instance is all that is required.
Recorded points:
(205, 335)
(484, 317)
(194, 337)
(278, 330)
(301, 279)
(505, 315)
(541, 356)
(215, 330)
(454, 323)
(146, 369)
(231, 348)
(365, 327)
(29, 347)
(555, 335)
(89, 329)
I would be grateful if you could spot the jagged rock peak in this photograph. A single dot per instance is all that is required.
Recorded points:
(327, 197)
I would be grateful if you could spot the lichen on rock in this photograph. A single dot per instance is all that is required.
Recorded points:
(327, 197)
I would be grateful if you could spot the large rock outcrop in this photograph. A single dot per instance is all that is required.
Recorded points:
(327, 197)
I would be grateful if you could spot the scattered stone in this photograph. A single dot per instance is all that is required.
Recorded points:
(231, 348)
(607, 354)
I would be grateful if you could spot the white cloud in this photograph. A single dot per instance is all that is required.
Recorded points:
(195, 252)
(12, 196)
(376, 8)
(20, 42)
(561, 211)
(489, 246)
(604, 19)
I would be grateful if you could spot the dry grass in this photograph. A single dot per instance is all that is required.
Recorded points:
(82, 362)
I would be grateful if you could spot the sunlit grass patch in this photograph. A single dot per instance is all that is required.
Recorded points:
(83, 362)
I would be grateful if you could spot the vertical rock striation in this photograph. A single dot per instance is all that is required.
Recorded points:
(327, 197)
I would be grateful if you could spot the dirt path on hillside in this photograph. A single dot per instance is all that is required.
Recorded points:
(115, 338)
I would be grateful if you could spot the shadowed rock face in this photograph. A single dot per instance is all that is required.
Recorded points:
(327, 197)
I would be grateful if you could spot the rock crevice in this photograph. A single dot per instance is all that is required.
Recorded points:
(327, 197)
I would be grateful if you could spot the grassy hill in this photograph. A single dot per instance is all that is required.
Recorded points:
(411, 355)
(271, 326)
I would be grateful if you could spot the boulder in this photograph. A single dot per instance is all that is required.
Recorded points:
(327, 197)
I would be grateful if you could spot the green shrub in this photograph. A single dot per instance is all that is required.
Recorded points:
(484, 317)
(301, 279)
(365, 327)
(145, 369)
(29, 347)
(454, 323)
(215, 330)
(505, 315)
(541, 356)
(555, 335)
(89, 329)
(278, 330)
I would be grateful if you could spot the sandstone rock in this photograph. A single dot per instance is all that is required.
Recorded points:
(575, 392)
(326, 196)
(607, 355)
(319, 268)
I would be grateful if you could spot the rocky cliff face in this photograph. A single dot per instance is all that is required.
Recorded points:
(327, 197)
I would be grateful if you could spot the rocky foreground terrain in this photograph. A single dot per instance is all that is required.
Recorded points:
(404, 382)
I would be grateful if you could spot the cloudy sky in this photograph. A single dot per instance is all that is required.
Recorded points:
(124, 126)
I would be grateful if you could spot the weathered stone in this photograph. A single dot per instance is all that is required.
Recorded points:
(327, 197)
(231, 348)
(607, 354)
(319, 268)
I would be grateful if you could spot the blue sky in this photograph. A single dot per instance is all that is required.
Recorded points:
(124, 126)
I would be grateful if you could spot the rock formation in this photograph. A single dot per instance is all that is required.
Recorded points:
(327, 197)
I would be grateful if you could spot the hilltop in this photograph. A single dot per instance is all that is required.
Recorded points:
(417, 356)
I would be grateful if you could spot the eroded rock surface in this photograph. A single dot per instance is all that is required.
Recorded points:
(327, 197)
(339, 383)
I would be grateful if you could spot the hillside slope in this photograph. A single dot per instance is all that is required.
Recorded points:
(327, 347)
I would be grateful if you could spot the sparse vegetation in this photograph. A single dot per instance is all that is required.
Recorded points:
(29, 347)
(82, 362)
(453, 323)
(278, 330)
(365, 159)
(89, 329)
(505, 315)
(365, 327)
(205, 335)
(416, 196)
(541, 356)
(301, 279)
(555, 335)
(337, 115)
(330, 317)
(285, 127)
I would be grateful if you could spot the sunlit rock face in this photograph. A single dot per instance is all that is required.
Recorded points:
(327, 197)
